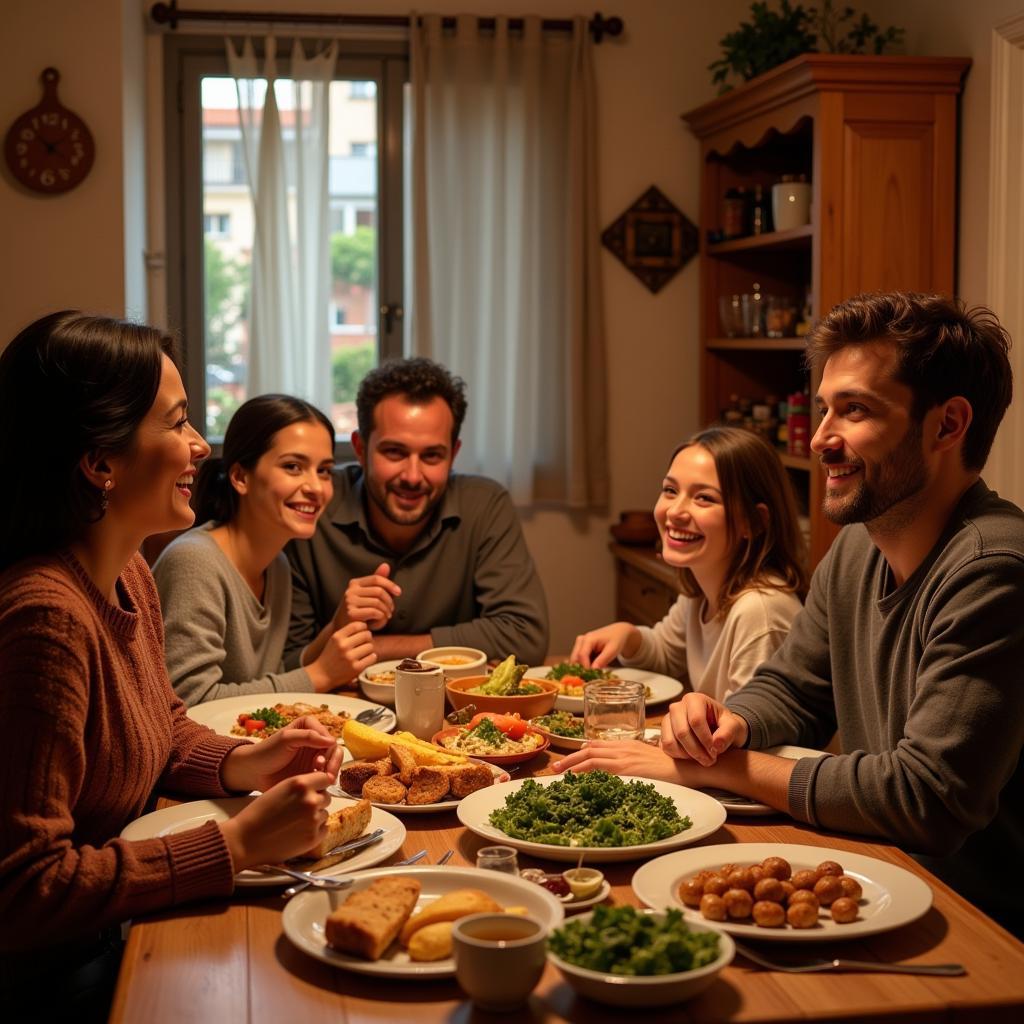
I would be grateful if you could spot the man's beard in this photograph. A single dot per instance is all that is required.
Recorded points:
(401, 517)
(899, 476)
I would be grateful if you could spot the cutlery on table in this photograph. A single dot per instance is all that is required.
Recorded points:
(445, 857)
(349, 879)
(371, 715)
(410, 860)
(317, 881)
(839, 964)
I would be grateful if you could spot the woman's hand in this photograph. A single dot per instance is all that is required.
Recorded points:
(346, 653)
(600, 647)
(302, 747)
(700, 729)
(626, 757)
(286, 821)
(369, 599)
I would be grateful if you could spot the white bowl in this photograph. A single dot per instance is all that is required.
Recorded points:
(474, 665)
(379, 693)
(646, 990)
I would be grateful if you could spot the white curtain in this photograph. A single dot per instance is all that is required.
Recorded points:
(289, 340)
(506, 286)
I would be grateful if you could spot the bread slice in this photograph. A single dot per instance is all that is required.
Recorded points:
(369, 920)
(343, 825)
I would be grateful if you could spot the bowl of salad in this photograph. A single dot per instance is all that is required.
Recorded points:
(504, 691)
(495, 738)
(563, 729)
(623, 956)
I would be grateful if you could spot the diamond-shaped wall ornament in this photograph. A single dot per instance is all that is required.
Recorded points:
(653, 239)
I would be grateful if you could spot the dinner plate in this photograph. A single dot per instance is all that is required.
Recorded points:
(662, 688)
(706, 814)
(651, 735)
(892, 896)
(500, 775)
(304, 915)
(221, 715)
(197, 812)
(742, 806)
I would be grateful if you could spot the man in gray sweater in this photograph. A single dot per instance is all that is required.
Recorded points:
(911, 644)
(425, 557)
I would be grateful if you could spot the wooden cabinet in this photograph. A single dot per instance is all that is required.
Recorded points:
(877, 139)
(645, 587)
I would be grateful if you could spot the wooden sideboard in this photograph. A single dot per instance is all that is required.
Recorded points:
(645, 587)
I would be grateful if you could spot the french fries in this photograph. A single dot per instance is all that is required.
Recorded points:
(372, 744)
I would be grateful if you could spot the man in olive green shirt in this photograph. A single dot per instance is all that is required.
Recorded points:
(426, 557)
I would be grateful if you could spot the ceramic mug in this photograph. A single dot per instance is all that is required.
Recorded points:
(791, 204)
(419, 697)
(499, 958)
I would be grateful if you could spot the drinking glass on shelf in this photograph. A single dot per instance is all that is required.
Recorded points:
(498, 858)
(730, 310)
(614, 710)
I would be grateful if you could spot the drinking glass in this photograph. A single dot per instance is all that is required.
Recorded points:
(613, 710)
(498, 858)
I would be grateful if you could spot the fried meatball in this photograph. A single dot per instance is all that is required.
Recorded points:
(804, 879)
(426, 786)
(776, 867)
(468, 778)
(716, 885)
(804, 896)
(352, 776)
(851, 887)
(802, 914)
(712, 907)
(738, 903)
(741, 878)
(844, 910)
(768, 914)
(829, 867)
(690, 892)
(787, 890)
(703, 876)
(769, 889)
(827, 889)
(384, 789)
(756, 872)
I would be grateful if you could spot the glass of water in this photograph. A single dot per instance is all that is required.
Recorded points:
(498, 858)
(614, 710)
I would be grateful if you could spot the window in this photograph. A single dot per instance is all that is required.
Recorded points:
(210, 222)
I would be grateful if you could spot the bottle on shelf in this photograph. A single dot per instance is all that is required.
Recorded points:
(760, 212)
(798, 424)
(734, 213)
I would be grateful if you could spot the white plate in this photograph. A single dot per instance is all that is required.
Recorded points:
(222, 715)
(382, 693)
(304, 915)
(662, 688)
(442, 805)
(599, 897)
(892, 895)
(742, 806)
(706, 814)
(191, 815)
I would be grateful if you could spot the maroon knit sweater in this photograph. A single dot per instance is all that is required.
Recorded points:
(90, 728)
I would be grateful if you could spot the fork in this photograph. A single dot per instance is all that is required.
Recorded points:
(371, 715)
(317, 881)
(349, 879)
(445, 857)
(945, 970)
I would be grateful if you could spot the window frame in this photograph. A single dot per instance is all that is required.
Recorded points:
(187, 60)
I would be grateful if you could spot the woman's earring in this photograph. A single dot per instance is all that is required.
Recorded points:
(104, 498)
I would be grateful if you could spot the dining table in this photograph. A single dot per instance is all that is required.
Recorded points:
(229, 962)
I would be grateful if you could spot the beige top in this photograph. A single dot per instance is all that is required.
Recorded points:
(719, 656)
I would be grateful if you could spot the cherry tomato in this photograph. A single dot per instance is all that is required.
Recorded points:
(254, 725)
(243, 718)
(511, 725)
(571, 681)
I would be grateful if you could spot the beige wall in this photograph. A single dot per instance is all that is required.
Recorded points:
(64, 251)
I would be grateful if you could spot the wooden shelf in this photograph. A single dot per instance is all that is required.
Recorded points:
(757, 344)
(794, 238)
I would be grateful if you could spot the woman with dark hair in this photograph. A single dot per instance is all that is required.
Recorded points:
(728, 522)
(93, 726)
(225, 587)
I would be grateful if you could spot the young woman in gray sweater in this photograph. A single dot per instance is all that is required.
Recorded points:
(225, 586)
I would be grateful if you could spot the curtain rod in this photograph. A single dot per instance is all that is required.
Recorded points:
(169, 14)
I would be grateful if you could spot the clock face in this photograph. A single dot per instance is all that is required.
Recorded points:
(49, 149)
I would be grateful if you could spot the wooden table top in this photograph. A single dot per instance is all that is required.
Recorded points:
(229, 961)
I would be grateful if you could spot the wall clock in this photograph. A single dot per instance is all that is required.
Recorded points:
(48, 148)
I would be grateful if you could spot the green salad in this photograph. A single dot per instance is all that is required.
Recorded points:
(589, 809)
(574, 668)
(561, 723)
(507, 681)
(624, 940)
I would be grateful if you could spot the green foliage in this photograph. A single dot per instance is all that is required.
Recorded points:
(772, 37)
(226, 284)
(354, 257)
(349, 365)
(220, 407)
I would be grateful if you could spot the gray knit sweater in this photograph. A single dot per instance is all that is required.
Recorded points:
(220, 640)
(924, 683)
